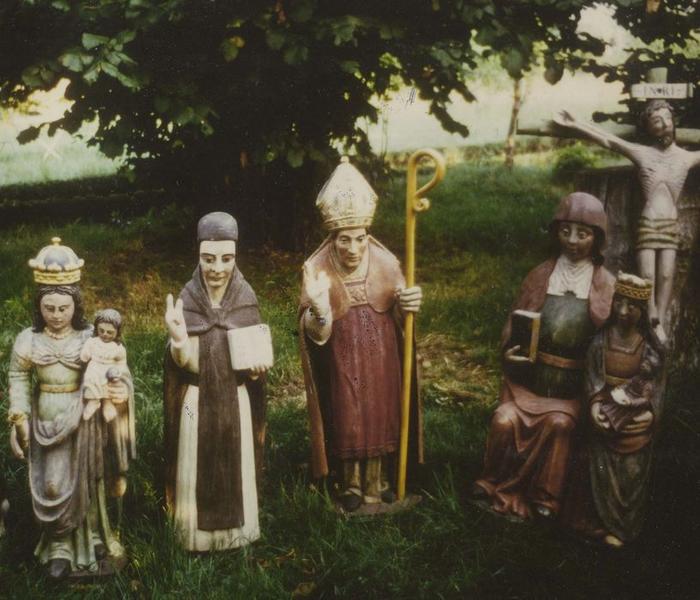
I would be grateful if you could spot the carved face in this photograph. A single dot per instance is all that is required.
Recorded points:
(106, 332)
(217, 260)
(627, 312)
(660, 124)
(576, 240)
(57, 311)
(350, 246)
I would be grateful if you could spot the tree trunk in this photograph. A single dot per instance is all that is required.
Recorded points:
(510, 140)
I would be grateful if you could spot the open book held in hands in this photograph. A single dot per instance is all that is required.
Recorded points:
(525, 333)
(250, 346)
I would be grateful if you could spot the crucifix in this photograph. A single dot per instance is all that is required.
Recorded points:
(662, 168)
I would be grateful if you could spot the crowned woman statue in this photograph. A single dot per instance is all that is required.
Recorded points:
(623, 375)
(67, 453)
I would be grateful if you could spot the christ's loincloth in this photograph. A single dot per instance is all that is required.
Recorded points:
(657, 234)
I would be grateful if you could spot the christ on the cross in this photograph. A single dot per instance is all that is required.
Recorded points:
(663, 168)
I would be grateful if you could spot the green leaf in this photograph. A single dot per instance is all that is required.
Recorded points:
(350, 66)
(388, 32)
(71, 61)
(127, 81)
(117, 58)
(344, 31)
(553, 73)
(126, 36)
(28, 135)
(92, 73)
(47, 75)
(63, 5)
(295, 55)
(229, 48)
(275, 38)
(90, 40)
(111, 148)
(162, 103)
(301, 10)
(110, 69)
(513, 62)
(186, 116)
(295, 157)
(485, 36)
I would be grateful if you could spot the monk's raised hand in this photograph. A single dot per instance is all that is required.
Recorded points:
(175, 319)
(410, 299)
(317, 290)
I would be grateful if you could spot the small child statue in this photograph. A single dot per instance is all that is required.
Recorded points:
(105, 357)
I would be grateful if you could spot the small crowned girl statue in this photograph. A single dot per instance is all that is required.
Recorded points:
(105, 357)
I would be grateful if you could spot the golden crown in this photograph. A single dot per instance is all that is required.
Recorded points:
(346, 199)
(56, 264)
(633, 287)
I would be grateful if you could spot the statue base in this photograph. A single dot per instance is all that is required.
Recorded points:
(106, 567)
(486, 506)
(381, 508)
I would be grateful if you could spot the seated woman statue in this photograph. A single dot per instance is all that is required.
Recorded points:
(530, 439)
(69, 470)
(623, 369)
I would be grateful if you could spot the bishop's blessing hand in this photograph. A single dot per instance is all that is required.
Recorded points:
(317, 290)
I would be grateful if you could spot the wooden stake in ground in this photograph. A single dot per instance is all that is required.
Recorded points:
(415, 202)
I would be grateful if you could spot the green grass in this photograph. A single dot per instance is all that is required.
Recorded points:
(56, 158)
(485, 230)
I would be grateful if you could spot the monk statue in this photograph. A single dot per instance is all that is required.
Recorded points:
(350, 318)
(214, 413)
(662, 168)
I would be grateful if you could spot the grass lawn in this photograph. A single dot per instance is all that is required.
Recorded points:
(485, 230)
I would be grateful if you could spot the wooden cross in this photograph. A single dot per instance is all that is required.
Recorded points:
(662, 168)
(655, 87)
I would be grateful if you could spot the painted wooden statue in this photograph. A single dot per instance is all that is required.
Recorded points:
(214, 412)
(662, 170)
(623, 372)
(350, 316)
(70, 474)
(104, 355)
(532, 431)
